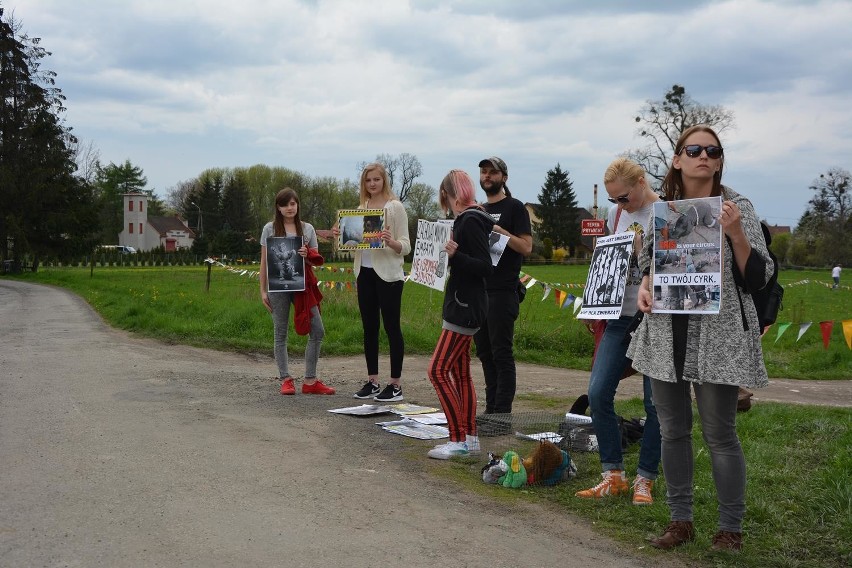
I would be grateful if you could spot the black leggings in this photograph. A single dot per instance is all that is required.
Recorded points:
(377, 297)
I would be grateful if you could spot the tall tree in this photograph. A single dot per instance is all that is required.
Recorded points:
(44, 209)
(402, 170)
(824, 233)
(236, 204)
(661, 123)
(558, 211)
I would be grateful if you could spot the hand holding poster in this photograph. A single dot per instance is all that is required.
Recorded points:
(687, 275)
(429, 266)
(497, 244)
(604, 293)
(360, 228)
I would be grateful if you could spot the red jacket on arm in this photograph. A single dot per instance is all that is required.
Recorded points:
(304, 301)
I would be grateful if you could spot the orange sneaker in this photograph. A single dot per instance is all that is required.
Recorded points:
(614, 483)
(642, 487)
(316, 388)
(287, 387)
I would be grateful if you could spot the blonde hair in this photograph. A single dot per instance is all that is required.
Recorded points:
(386, 188)
(626, 170)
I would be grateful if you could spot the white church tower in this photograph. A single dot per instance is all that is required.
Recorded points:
(135, 221)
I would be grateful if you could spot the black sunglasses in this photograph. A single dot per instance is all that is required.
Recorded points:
(622, 198)
(694, 150)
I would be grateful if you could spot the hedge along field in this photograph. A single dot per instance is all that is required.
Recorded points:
(170, 303)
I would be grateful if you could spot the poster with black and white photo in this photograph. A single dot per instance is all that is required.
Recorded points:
(360, 229)
(687, 274)
(285, 267)
(604, 292)
(496, 245)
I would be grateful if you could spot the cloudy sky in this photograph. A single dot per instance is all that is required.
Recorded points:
(318, 86)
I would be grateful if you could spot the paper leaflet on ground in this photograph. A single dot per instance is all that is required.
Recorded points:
(541, 436)
(604, 293)
(433, 418)
(405, 408)
(687, 270)
(413, 429)
(572, 418)
(362, 410)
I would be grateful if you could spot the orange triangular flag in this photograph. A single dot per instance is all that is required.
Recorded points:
(847, 332)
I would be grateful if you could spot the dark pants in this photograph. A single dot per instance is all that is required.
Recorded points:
(494, 342)
(379, 298)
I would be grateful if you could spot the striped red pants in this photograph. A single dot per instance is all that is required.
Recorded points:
(449, 371)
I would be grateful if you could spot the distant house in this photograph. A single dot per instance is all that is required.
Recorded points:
(587, 244)
(144, 232)
(777, 229)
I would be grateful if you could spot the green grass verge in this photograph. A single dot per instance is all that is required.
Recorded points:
(799, 496)
(170, 303)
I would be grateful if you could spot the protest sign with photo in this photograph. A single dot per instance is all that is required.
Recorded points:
(687, 268)
(607, 281)
(360, 228)
(285, 267)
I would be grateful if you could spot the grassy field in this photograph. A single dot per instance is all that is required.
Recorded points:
(171, 303)
(800, 493)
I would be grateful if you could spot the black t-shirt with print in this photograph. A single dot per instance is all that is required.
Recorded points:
(510, 214)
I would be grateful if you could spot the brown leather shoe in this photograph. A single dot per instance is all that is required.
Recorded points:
(727, 541)
(677, 533)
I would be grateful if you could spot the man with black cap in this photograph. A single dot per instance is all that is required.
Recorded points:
(494, 340)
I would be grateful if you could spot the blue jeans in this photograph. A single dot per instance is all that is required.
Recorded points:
(610, 364)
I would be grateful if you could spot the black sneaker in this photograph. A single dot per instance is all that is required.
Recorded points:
(369, 390)
(392, 393)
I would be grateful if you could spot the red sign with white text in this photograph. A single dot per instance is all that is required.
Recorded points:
(593, 227)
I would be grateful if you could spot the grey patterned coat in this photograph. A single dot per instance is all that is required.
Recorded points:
(719, 349)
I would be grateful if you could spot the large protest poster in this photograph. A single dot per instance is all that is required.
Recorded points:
(429, 266)
(285, 267)
(360, 228)
(687, 272)
(604, 293)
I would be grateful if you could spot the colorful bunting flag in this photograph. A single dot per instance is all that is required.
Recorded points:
(802, 329)
(826, 327)
(847, 332)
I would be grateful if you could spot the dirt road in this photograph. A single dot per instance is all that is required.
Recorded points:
(120, 451)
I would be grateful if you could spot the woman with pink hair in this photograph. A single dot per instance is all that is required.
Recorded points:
(465, 308)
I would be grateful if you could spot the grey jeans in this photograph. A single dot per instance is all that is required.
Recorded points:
(717, 409)
(280, 302)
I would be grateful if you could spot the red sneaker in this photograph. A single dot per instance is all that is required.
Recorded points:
(317, 388)
(287, 387)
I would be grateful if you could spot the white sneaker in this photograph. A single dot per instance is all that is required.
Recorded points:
(472, 444)
(448, 450)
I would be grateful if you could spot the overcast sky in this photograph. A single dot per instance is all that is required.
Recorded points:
(318, 86)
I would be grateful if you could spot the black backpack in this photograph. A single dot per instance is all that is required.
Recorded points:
(767, 300)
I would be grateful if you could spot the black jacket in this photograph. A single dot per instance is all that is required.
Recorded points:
(465, 300)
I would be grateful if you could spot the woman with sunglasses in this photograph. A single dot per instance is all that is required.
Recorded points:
(626, 185)
(710, 355)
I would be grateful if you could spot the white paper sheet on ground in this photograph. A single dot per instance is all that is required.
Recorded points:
(431, 418)
(577, 418)
(412, 429)
(539, 436)
(405, 408)
(362, 410)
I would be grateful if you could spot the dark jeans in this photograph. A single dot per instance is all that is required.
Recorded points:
(717, 410)
(494, 342)
(377, 297)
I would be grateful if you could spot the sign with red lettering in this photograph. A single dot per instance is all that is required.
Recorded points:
(593, 227)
